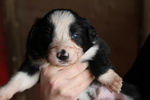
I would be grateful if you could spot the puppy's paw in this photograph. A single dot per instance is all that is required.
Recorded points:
(4, 94)
(115, 85)
(111, 80)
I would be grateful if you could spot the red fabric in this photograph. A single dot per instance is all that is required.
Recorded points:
(3, 53)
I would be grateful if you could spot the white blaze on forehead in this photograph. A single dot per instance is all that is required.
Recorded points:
(62, 21)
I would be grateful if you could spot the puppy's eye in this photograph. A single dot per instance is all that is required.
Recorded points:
(75, 36)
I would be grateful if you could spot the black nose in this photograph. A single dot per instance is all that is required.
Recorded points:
(62, 55)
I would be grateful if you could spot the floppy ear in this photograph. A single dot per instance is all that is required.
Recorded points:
(93, 36)
(32, 32)
(39, 38)
(31, 44)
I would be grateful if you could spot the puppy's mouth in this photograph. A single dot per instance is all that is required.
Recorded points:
(60, 63)
(63, 62)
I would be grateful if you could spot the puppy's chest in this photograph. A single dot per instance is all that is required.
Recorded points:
(90, 93)
(96, 91)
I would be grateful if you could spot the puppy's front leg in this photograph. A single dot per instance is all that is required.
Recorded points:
(105, 74)
(103, 69)
(21, 81)
(111, 80)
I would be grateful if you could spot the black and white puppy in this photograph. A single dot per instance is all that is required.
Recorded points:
(62, 38)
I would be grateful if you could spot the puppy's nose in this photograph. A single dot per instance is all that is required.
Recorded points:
(62, 55)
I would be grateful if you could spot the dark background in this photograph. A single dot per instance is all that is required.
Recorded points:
(123, 24)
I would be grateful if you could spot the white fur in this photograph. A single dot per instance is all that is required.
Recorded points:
(62, 21)
(90, 53)
(108, 76)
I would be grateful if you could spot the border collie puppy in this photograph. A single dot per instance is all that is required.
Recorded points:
(62, 38)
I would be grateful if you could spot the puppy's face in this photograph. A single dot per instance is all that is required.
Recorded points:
(62, 37)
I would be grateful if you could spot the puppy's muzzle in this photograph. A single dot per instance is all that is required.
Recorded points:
(62, 55)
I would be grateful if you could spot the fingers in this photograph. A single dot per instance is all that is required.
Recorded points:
(68, 72)
(66, 82)
(77, 85)
(74, 70)
(80, 79)
(85, 83)
(50, 70)
(74, 92)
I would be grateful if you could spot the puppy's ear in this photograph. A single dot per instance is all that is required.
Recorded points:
(93, 36)
(34, 29)
(31, 45)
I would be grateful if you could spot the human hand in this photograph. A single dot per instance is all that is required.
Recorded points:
(64, 83)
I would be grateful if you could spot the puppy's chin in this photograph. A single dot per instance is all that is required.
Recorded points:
(59, 63)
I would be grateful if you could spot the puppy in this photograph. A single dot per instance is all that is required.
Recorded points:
(62, 38)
